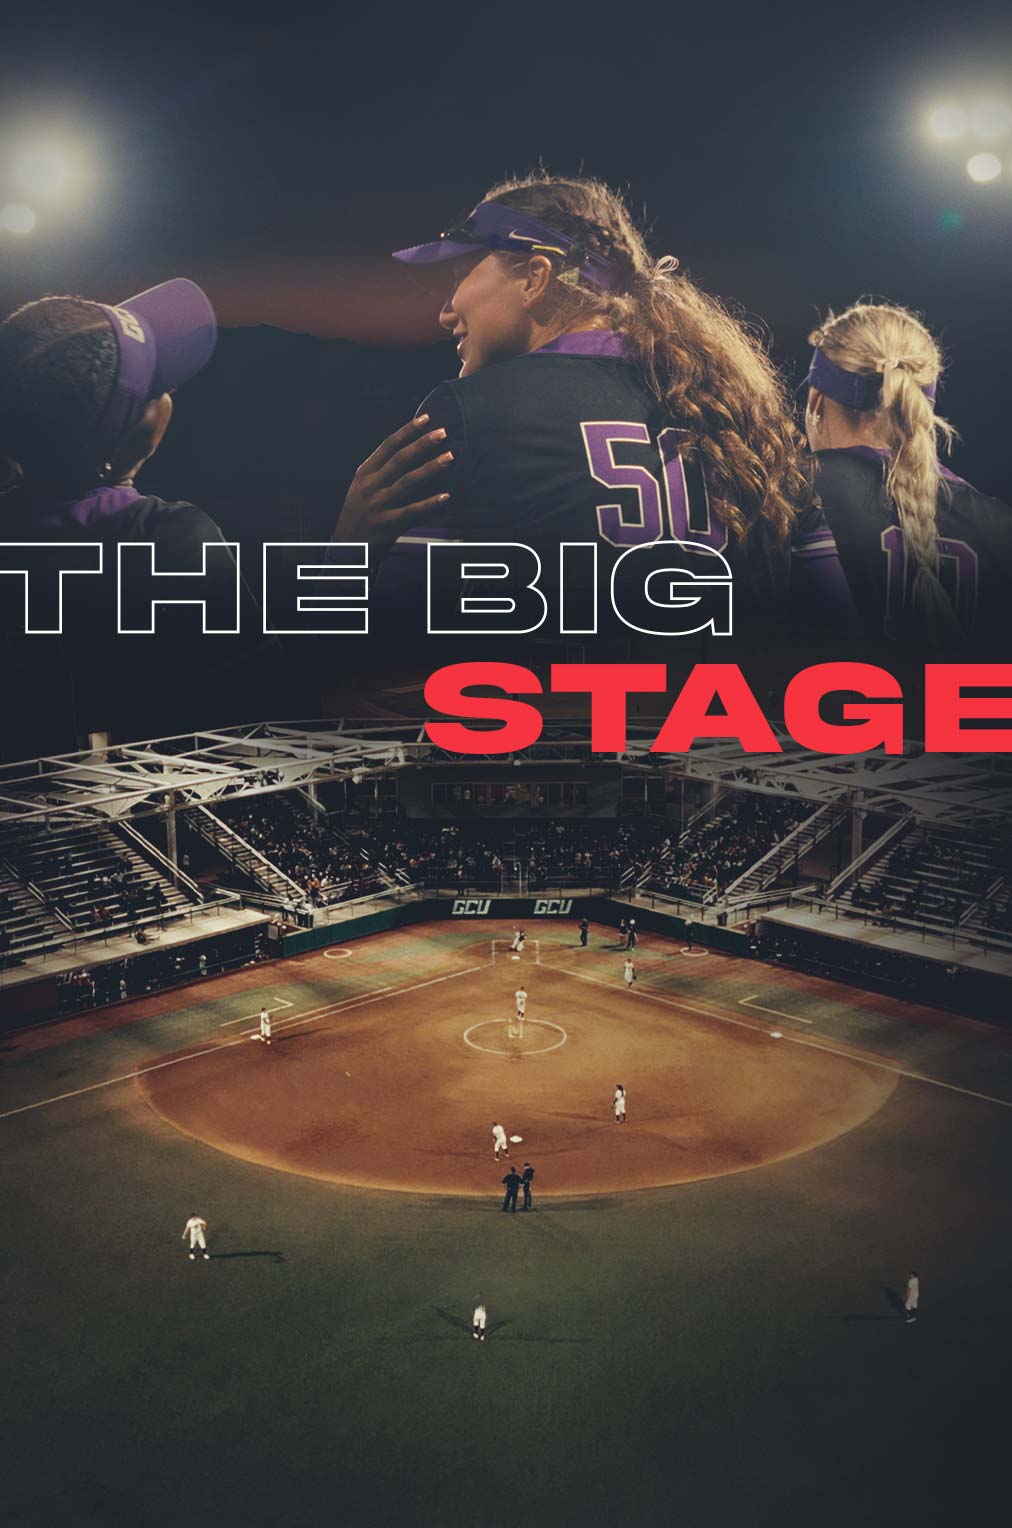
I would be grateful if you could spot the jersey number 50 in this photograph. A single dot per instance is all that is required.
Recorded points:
(662, 508)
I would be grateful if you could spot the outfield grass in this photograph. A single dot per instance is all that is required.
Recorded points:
(726, 1352)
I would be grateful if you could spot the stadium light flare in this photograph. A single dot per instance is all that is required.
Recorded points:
(42, 171)
(983, 167)
(991, 119)
(16, 218)
(948, 122)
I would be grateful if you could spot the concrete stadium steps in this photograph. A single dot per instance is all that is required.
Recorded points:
(935, 876)
(790, 850)
(653, 867)
(240, 853)
(291, 810)
(25, 921)
(699, 838)
(993, 914)
(76, 871)
(54, 881)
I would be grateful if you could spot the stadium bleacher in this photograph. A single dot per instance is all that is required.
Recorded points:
(78, 882)
(938, 878)
(711, 854)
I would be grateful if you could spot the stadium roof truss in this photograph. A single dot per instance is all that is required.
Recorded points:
(200, 768)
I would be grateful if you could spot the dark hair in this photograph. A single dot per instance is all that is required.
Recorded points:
(58, 363)
(706, 367)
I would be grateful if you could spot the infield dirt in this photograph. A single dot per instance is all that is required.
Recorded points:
(399, 1090)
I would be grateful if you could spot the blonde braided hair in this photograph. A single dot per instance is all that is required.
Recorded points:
(877, 338)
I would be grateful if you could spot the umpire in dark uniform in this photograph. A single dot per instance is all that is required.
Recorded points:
(584, 931)
(512, 1182)
(527, 1178)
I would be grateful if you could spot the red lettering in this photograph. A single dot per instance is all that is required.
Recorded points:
(689, 717)
(609, 685)
(867, 727)
(444, 691)
(946, 708)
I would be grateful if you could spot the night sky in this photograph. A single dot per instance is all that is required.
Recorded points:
(277, 161)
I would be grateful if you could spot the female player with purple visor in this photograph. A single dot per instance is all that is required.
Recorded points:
(603, 398)
(928, 557)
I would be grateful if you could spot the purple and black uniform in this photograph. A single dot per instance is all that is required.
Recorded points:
(974, 545)
(567, 444)
(93, 678)
(109, 671)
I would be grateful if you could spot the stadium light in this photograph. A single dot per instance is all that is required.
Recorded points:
(991, 119)
(42, 171)
(983, 167)
(16, 218)
(948, 122)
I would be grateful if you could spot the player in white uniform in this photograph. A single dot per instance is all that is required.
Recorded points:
(478, 1324)
(195, 1228)
(499, 1142)
(265, 1026)
(619, 1104)
(629, 974)
(912, 1297)
(521, 997)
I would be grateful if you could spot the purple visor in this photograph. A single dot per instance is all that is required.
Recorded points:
(494, 226)
(165, 336)
(853, 389)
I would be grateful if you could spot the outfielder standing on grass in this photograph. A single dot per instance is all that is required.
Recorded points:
(479, 1321)
(195, 1228)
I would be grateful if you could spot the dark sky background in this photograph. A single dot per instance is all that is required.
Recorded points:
(277, 155)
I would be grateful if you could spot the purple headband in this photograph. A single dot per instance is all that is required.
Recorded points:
(851, 388)
(492, 225)
(164, 337)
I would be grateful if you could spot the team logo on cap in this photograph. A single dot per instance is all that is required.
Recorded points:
(130, 325)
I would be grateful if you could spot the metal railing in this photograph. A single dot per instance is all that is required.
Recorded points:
(952, 934)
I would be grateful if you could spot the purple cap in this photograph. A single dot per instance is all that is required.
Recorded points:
(494, 226)
(165, 336)
(855, 390)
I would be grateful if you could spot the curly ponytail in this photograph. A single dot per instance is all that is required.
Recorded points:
(872, 339)
(707, 370)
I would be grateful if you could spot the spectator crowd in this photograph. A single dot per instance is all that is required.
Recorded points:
(712, 855)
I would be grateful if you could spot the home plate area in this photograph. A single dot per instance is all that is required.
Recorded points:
(399, 1089)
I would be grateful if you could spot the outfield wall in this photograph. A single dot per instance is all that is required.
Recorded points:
(531, 912)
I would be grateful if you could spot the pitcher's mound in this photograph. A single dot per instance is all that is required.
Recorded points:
(402, 1093)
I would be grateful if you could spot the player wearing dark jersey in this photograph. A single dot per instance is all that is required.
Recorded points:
(603, 399)
(927, 556)
(85, 400)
